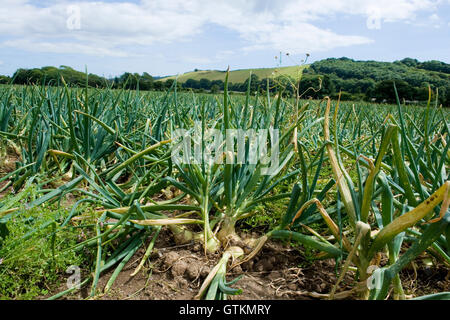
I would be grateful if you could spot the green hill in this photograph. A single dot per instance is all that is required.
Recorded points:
(375, 80)
(239, 76)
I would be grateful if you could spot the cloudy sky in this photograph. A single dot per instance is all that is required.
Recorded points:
(165, 37)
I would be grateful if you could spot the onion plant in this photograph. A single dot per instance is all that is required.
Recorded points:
(392, 200)
(113, 150)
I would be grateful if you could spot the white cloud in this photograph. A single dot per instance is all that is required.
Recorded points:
(65, 47)
(435, 21)
(434, 17)
(108, 28)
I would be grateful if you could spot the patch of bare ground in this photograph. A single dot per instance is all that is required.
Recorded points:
(7, 165)
(278, 272)
(419, 279)
(177, 272)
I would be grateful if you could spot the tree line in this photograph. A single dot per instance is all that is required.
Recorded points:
(373, 80)
(354, 80)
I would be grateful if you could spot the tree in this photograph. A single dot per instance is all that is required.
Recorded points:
(434, 65)
(146, 81)
(158, 85)
(328, 88)
(191, 83)
(205, 84)
(215, 88)
(218, 83)
(4, 79)
(309, 85)
(20, 76)
(410, 62)
(385, 90)
(170, 82)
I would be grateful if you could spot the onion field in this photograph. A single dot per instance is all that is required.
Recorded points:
(360, 185)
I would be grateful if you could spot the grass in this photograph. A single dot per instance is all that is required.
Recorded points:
(34, 254)
(266, 217)
(239, 76)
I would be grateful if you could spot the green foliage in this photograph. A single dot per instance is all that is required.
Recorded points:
(52, 76)
(111, 149)
(375, 79)
(386, 194)
(4, 79)
(266, 216)
(33, 255)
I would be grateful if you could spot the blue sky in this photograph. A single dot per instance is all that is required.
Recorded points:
(165, 37)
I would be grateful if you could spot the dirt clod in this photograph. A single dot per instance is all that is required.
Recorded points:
(237, 270)
(179, 268)
(205, 271)
(192, 271)
(170, 258)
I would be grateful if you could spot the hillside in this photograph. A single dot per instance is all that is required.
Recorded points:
(408, 70)
(374, 80)
(239, 76)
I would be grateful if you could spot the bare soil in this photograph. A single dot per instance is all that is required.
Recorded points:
(278, 272)
(7, 165)
(178, 272)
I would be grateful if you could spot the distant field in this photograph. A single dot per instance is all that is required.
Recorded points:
(239, 76)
